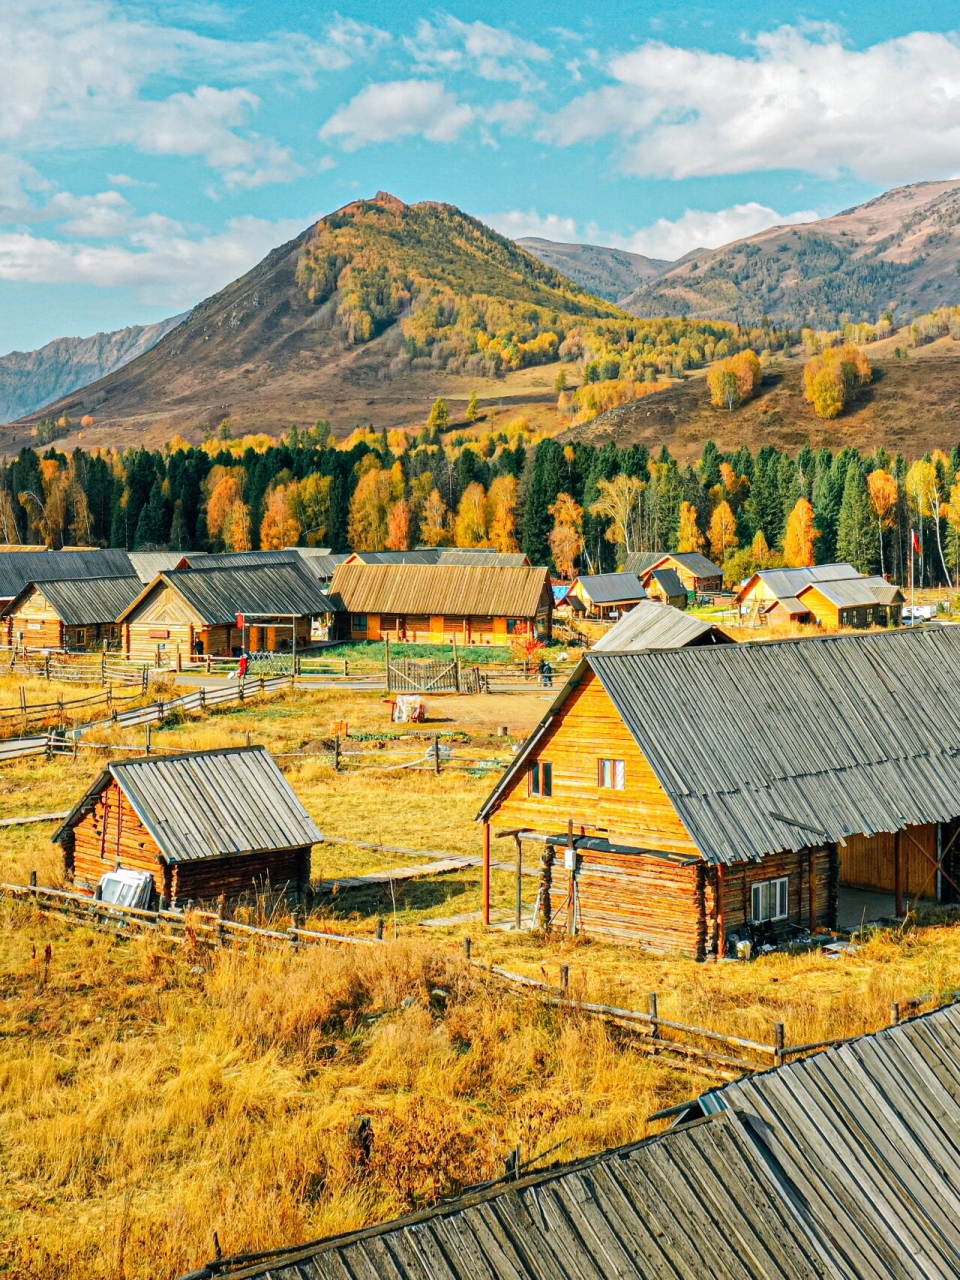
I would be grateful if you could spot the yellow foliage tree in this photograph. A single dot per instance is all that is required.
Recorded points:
(833, 379)
(225, 493)
(369, 520)
(237, 528)
(398, 527)
(279, 527)
(800, 535)
(435, 523)
(689, 537)
(471, 523)
(502, 513)
(618, 504)
(566, 537)
(723, 532)
(883, 490)
(735, 380)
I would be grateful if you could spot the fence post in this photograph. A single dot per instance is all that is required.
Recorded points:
(346, 666)
(778, 1043)
(46, 665)
(33, 879)
(203, 698)
(103, 667)
(654, 1015)
(386, 664)
(894, 1014)
(565, 980)
(336, 752)
(467, 947)
(148, 738)
(436, 753)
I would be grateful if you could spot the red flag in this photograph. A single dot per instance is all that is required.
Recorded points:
(916, 541)
(242, 622)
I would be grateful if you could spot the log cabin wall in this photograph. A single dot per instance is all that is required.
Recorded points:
(162, 618)
(205, 879)
(870, 862)
(420, 629)
(38, 621)
(588, 729)
(633, 898)
(109, 833)
(736, 883)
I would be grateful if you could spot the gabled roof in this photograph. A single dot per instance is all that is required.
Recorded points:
(640, 561)
(218, 595)
(208, 804)
(81, 602)
(840, 1166)
(785, 745)
(17, 568)
(696, 563)
(611, 588)
(669, 581)
(790, 582)
(789, 603)
(489, 591)
(147, 564)
(651, 625)
(442, 555)
(853, 593)
(321, 563)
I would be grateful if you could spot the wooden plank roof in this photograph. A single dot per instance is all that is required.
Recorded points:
(611, 588)
(669, 581)
(697, 564)
(840, 1166)
(217, 595)
(784, 745)
(442, 555)
(80, 602)
(494, 591)
(651, 625)
(208, 804)
(790, 582)
(853, 593)
(17, 568)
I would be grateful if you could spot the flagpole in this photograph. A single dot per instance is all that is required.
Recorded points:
(913, 616)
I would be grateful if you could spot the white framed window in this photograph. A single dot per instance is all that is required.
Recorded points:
(540, 778)
(612, 774)
(771, 899)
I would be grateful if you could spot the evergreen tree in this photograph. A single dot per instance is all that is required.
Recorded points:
(544, 483)
(857, 534)
(709, 465)
(179, 534)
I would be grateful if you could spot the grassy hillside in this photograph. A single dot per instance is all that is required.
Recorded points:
(610, 273)
(912, 405)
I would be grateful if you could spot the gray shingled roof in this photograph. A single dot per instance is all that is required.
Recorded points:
(81, 602)
(208, 804)
(17, 568)
(670, 582)
(640, 561)
(837, 1167)
(147, 564)
(446, 555)
(612, 588)
(271, 590)
(697, 564)
(780, 746)
(854, 593)
(651, 625)
(789, 582)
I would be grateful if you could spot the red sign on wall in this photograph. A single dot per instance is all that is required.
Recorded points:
(241, 622)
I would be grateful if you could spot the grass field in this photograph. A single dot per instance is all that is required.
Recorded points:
(150, 1096)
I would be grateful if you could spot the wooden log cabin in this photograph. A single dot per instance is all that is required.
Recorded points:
(683, 800)
(18, 566)
(767, 586)
(203, 824)
(853, 602)
(666, 587)
(194, 611)
(694, 570)
(605, 594)
(439, 604)
(79, 614)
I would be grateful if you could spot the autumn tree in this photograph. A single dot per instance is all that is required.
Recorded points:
(279, 527)
(926, 499)
(502, 513)
(369, 520)
(398, 526)
(439, 418)
(800, 535)
(471, 522)
(883, 491)
(723, 532)
(566, 537)
(238, 528)
(618, 505)
(473, 408)
(832, 380)
(312, 509)
(435, 522)
(735, 380)
(689, 537)
(225, 493)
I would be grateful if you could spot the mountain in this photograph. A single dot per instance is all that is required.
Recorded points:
(354, 320)
(609, 273)
(31, 379)
(899, 251)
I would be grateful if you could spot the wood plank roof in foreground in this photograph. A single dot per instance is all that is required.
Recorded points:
(208, 804)
(765, 747)
(651, 625)
(839, 1166)
(488, 591)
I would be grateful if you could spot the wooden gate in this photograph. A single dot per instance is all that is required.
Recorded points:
(430, 675)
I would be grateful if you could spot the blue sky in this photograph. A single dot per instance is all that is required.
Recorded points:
(150, 153)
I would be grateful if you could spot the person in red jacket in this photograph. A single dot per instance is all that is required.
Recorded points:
(242, 665)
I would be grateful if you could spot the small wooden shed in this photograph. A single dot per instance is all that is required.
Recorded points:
(203, 824)
(76, 613)
(665, 586)
(603, 594)
(694, 570)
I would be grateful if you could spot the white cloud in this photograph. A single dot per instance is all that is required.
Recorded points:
(165, 265)
(398, 109)
(517, 223)
(799, 99)
(491, 53)
(702, 228)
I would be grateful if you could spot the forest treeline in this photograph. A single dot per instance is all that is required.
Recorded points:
(572, 506)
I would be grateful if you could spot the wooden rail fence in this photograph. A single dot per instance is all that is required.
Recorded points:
(681, 1044)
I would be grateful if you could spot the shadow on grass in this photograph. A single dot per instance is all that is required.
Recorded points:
(410, 895)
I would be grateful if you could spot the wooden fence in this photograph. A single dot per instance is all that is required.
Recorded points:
(70, 740)
(701, 1050)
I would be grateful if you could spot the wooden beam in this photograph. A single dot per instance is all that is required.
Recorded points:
(518, 912)
(486, 873)
(897, 878)
(812, 888)
(721, 923)
(571, 883)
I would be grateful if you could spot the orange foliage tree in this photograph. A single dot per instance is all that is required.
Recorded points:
(398, 526)
(225, 493)
(832, 380)
(735, 380)
(279, 527)
(502, 513)
(723, 532)
(689, 537)
(566, 537)
(800, 535)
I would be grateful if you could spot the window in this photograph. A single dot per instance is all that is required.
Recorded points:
(770, 899)
(611, 773)
(81, 636)
(359, 622)
(541, 778)
(511, 626)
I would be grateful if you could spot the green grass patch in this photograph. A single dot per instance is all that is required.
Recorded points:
(374, 651)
